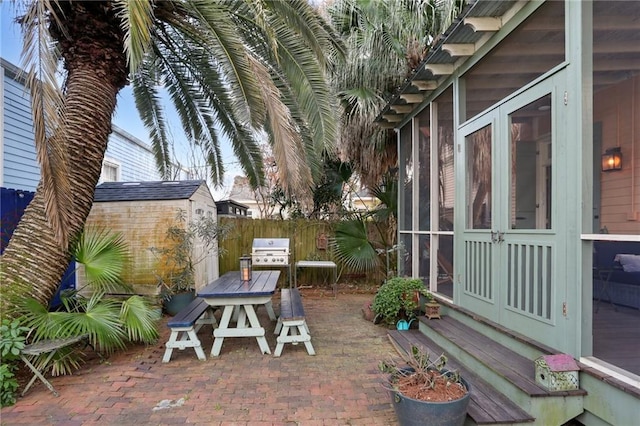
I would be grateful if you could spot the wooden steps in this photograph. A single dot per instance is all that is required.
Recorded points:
(487, 406)
(504, 390)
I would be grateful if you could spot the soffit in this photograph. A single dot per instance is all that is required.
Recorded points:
(477, 22)
(616, 36)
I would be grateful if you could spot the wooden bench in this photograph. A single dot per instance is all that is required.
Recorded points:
(292, 326)
(184, 328)
(49, 346)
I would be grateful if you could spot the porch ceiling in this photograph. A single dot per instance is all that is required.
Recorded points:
(616, 37)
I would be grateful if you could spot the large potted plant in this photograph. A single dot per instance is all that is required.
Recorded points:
(177, 260)
(399, 299)
(423, 391)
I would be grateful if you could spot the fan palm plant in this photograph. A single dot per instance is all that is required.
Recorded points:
(108, 322)
(233, 69)
(358, 248)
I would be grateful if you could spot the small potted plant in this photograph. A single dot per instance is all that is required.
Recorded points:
(399, 299)
(422, 388)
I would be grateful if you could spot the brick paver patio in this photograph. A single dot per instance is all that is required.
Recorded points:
(340, 385)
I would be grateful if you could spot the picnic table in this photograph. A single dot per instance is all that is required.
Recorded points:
(235, 295)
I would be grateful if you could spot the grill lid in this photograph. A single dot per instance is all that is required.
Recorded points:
(270, 251)
(270, 245)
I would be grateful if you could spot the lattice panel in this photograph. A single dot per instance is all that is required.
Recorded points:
(478, 279)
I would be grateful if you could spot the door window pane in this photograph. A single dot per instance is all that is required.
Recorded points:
(478, 153)
(530, 199)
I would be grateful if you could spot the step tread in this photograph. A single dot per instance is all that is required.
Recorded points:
(487, 405)
(519, 370)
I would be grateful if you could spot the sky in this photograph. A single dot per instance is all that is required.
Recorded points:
(126, 116)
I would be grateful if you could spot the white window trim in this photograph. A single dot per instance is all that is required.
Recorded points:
(111, 163)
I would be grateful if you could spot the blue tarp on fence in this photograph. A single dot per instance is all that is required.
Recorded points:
(13, 202)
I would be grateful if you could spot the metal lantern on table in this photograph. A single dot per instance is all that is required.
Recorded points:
(245, 268)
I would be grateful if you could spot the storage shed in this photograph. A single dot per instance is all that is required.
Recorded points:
(143, 212)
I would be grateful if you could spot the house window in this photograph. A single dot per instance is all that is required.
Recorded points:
(110, 172)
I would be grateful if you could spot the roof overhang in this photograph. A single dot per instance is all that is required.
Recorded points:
(473, 27)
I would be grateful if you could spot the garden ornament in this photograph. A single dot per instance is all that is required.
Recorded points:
(403, 324)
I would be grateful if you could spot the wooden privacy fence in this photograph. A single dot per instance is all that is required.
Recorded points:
(308, 240)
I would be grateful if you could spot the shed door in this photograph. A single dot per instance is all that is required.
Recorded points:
(508, 267)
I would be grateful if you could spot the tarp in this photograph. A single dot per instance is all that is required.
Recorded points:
(13, 202)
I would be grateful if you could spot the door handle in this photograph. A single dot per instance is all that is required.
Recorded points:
(497, 236)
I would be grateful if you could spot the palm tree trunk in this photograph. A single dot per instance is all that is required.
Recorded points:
(34, 262)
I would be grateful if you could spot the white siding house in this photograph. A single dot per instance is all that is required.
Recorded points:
(127, 157)
(19, 168)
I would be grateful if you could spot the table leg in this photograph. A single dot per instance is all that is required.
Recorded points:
(38, 375)
(255, 325)
(241, 321)
(270, 311)
(218, 333)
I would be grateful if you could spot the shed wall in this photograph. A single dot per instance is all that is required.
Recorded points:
(144, 225)
(207, 269)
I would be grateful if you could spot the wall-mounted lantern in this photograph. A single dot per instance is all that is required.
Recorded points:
(612, 160)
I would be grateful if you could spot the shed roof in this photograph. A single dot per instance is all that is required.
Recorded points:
(147, 191)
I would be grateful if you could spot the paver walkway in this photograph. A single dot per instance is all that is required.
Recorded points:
(340, 385)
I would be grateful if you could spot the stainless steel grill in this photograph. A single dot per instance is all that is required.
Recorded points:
(270, 252)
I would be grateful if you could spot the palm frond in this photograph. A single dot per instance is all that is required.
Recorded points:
(136, 22)
(353, 247)
(138, 321)
(104, 255)
(213, 25)
(40, 58)
(287, 145)
(147, 101)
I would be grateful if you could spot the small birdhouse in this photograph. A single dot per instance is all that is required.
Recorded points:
(557, 372)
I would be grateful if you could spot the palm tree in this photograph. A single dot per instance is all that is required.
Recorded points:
(386, 41)
(232, 68)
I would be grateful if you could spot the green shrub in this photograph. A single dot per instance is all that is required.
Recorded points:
(397, 297)
(12, 338)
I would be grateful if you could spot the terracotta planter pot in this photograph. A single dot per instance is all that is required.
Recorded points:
(367, 312)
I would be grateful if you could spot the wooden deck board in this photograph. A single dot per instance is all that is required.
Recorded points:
(487, 406)
(518, 370)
